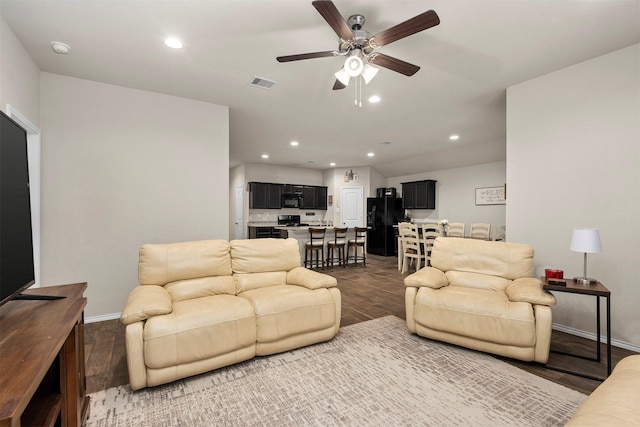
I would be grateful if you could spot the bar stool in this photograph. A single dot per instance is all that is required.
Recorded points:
(355, 243)
(339, 244)
(314, 245)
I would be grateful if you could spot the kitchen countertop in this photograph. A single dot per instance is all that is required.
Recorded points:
(287, 227)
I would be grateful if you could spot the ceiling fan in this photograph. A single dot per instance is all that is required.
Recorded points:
(360, 47)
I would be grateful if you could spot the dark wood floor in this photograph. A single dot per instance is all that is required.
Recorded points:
(374, 291)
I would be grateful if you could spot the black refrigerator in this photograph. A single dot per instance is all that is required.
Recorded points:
(382, 214)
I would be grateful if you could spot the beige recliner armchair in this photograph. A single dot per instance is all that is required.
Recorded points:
(207, 304)
(480, 295)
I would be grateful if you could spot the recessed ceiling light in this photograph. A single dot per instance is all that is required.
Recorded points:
(454, 137)
(265, 156)
(370, 154)
(173, 42)
(332, 164)
(61, 48)
(294, 143)
(374, 99)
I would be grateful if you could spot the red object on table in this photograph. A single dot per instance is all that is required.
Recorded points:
(553, 274)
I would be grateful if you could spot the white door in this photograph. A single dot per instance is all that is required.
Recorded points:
(352, 199)
(240, 212)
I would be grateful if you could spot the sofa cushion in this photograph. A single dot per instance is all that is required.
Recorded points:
(477, 280)
(199, 329)
(478, 313)
(264, 255)
(200, 287)
(286, 310)
(508, 260)
(247, 281)
(160, 264)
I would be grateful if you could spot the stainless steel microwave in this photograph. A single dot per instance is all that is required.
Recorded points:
(291, 201)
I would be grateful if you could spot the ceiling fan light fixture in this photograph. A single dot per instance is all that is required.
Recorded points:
(353, 66)
(343, 77)
(368, 73)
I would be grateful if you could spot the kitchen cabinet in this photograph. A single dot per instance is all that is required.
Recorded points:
(314, 197)
(419, 194)
(308, 197)
(321, 198)
(264, 195)
(265, 232)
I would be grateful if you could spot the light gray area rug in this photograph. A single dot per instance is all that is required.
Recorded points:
(373, 373)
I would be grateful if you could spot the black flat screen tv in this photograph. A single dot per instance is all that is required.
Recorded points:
(16, 239)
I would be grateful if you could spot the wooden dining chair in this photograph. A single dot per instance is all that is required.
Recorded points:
(480, 230)
(429, 234)
(456, 229)
(412, 246)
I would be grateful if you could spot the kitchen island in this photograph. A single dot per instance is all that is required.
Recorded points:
(301, 234)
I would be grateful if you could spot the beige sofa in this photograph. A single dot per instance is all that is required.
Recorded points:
(616, 402)
(480, 295)
(207, 304)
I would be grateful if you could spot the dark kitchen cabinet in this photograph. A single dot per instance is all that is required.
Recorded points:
(314, 197)
(265, 233)
(419, 194)
(264, 195)
(321, 198)
(308, 197)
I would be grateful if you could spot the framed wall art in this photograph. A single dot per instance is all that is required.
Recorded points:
(491, 196)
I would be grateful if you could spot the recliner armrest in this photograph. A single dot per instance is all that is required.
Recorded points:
(310, 279)
(144, 302)
(429, 277)
(529, 289)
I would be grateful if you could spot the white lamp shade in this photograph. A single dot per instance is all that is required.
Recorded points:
(343, 77)
(353, 66)
(586, 240)
(368, 73)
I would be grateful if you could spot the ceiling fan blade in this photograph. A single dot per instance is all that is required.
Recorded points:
(411, 26)
(338, 85)
(333, 17)
(393, 64)
(302, 56)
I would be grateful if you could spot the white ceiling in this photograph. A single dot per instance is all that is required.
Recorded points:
(480, 48)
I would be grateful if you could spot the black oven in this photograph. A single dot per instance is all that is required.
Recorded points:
(291, 201)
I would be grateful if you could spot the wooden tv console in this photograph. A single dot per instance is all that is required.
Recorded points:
(42, 376)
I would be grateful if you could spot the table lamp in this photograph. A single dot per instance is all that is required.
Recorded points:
(586, 240)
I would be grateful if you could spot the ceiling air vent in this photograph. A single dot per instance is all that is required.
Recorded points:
(261, 82)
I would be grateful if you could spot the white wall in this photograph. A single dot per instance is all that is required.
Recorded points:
(20, 89)
(573, 160)
(19, 77)
(237, 179)
(455, 194)
(123, 167)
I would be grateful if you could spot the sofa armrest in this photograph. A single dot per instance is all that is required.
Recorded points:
(310, 279)
(529, 289)
(429, 277)
(145, 302)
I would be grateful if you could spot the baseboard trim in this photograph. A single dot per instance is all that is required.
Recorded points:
(591, 336)
(102, 318)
